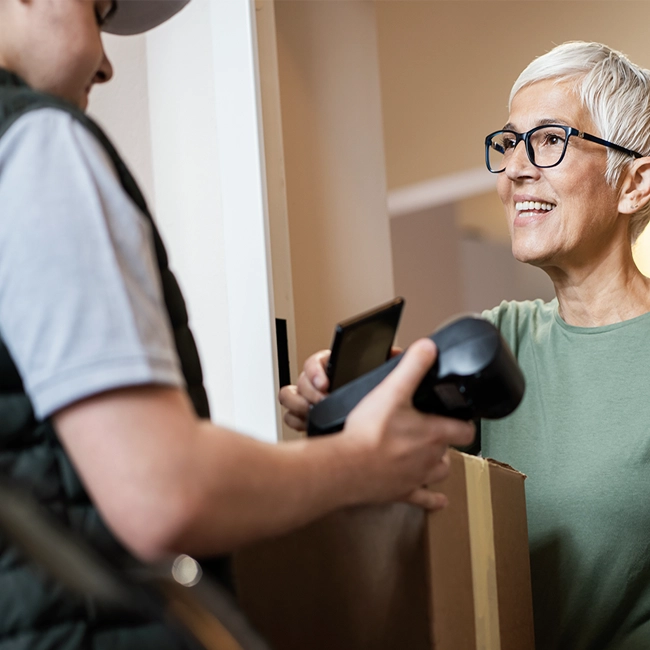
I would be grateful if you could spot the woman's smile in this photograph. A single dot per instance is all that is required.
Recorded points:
(531, 208)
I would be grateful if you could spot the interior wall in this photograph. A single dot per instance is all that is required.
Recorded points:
(482, 217)
(187, 183)
(426, 263)
(447, 69)
(181, 199)
(443, 272)
(276, 184)
(334, 157)
(184, 110)
(128, 127)
(489, 274)
(432, 77)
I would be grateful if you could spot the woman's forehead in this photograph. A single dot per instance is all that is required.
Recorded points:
(548, 102)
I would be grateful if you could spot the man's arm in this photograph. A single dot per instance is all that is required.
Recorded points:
(82, 314)
(167, 482)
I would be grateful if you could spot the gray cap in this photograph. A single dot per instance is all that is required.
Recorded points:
(136, 16)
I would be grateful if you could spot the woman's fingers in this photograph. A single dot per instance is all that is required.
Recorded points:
(297, 399)
(315, 371)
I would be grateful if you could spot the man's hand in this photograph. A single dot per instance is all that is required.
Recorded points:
(403, 448)
(406, 449)
(167, 482)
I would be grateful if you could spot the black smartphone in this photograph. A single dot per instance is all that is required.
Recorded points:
(363, 343)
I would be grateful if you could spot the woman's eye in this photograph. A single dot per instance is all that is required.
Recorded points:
(553, 139)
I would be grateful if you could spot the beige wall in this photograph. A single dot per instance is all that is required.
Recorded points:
(128, 127)
(447, 68)
(426, 265)
(444, 72)
(481, 217)
(442, 272)
(334, 158)
(195, 145)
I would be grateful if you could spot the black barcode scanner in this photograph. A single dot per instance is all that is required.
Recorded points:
(474, 376)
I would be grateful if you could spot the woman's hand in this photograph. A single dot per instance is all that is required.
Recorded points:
(311, 388)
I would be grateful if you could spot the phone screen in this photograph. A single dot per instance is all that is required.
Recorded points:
(363, 343)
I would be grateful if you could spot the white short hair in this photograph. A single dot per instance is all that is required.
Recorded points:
(615, 91)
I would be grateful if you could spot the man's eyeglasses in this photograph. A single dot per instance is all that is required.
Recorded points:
(545, 146)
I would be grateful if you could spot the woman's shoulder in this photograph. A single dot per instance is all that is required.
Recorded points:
(516, 319)
(520, 309)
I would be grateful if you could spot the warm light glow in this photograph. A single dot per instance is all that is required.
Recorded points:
(641, 252)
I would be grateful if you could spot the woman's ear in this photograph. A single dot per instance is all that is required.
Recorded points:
(635, 187)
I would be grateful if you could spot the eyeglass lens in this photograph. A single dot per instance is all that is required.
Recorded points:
(545, 147)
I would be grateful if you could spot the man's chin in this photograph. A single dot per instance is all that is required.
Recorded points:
(82, 102)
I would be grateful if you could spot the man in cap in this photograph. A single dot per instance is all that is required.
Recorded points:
(102, 409)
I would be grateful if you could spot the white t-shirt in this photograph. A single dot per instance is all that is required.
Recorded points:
(81, 306)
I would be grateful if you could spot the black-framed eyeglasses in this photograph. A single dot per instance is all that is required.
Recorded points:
(545, 146)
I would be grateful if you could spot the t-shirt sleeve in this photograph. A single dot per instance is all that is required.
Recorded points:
(81, 306)
(491, 315)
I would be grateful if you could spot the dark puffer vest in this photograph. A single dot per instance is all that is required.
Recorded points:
(34, 612)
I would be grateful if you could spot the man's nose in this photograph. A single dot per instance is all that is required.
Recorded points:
(105, 71)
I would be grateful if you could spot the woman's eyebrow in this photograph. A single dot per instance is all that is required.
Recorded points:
(553, 120)
(547, 120)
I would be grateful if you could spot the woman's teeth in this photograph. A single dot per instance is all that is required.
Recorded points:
(526, 206)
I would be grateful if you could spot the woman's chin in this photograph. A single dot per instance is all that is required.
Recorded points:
(530, 255)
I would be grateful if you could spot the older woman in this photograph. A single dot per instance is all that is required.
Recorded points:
(575, 182)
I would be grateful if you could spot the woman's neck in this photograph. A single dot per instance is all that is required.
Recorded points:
(592, 295)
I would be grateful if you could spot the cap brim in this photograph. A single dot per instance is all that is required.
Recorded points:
(137, 16)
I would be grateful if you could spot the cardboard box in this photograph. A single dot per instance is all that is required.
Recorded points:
(394, 577)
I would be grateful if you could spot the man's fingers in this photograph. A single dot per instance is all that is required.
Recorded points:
(440, 470)
(428, 500)
(401, 383)
(450, 431)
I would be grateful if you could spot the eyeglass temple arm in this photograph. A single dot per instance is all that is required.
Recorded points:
(597, 140)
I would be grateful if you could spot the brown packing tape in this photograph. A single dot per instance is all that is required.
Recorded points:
(483, 557)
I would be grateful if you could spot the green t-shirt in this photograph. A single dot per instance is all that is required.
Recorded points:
(582, 435)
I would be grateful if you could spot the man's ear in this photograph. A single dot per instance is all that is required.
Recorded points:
(635, 187)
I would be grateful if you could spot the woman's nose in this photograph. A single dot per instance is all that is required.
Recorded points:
(519, 165)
